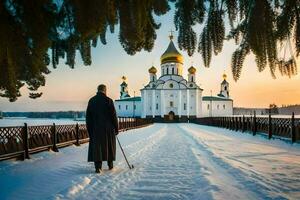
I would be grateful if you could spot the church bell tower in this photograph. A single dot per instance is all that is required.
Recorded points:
(124, 89)
(224, 87)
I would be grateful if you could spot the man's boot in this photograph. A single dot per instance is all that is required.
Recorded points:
(98, 166)
(110, 165)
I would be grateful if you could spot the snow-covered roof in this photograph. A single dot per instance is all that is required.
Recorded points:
(130, 99)
(214, 98)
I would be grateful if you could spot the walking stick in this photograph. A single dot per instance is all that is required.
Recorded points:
(130, 166)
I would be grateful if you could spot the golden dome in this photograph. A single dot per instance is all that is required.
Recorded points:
(152, 70)
(124, 78)
(224, 76)
(171, 55)
(192, 70)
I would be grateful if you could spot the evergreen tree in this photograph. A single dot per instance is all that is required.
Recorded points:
(35, 35)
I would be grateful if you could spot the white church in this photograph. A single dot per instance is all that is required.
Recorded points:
(172, 97)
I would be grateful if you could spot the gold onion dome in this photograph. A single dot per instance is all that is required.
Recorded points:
(152, 70)
(171, 54)
(192, 70)
(224, 76)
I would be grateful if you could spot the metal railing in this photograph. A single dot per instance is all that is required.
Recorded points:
(21, 141)
(288, 128)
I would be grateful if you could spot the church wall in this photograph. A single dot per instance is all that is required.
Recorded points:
(183, 102)
(171, 101)
(171, 68)
(199, 107)
(157, 105)
(192, 103)
(126, 108)
(216, 108)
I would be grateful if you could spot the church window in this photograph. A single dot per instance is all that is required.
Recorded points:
(134, 107)
(119, 107)
(167, 70)
(184, 106)
(218, 107)
(224, 106)
(191, 85)
(171, 95)
(208, 107)
(172, 70)
(150, 108)
(171, 104)
(225, 88)
(153, 78)
(171, 85)
(157, 106)
(192, 79)
(126, 107)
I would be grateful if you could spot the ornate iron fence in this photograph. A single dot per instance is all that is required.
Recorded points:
(20, 142)
(281, 127)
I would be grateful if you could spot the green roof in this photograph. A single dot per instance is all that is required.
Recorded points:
(130, 99)
(212, 98)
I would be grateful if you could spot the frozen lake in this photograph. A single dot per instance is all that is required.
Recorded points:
(35, 121)
(172, 161)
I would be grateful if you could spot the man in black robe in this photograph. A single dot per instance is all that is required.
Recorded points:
(102, 126)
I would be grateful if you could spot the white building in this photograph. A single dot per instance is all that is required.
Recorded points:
(127, 106)
(171, 97)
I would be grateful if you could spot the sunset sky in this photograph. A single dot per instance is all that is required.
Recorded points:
(70, 89)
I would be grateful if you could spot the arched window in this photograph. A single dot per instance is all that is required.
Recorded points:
(172, 70)
(224, 106)
(167, 70)
(153, 78)
(218, 107)
(225, 88)
(192, 79)
(207, 106)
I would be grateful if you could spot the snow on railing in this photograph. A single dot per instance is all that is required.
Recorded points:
(21, 141)
(279, 127)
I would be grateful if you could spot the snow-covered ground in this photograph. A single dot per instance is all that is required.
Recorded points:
(172, 161)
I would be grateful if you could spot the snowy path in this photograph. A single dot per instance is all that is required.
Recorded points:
(172, 161)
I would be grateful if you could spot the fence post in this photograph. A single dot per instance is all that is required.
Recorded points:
(77, 134)
(25, 142)
(293, 128)
(122, 123)
(254, 124)
(243, 123)
(270, 125)
(54, 138)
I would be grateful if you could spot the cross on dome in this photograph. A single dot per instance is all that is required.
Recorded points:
(171, 34)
